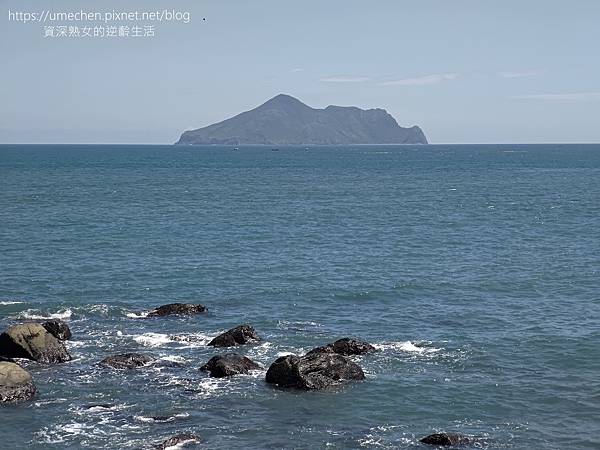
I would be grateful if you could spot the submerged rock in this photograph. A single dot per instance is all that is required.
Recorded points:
(313, 371)
(127, 360)
(59, 329)
(99, 406)
(16, 384)
(32, 341)
(345, 346)
(236, 336)
(177, 308)
(446, 439)
(181, 440)
(229, 364)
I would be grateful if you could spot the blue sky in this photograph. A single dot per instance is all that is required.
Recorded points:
(466, 71)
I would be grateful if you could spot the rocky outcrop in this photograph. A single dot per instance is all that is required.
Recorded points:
(446, 439)
(127, 361)
(229, 364)
(236, 336)
(345, 346)
(285, 120)
(313, 371)
(179, 440)
(177, 308)
(32, 341)
(59, 329)
(16, 384)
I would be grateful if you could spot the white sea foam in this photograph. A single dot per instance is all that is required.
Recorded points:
(10, 302)
(152, 339)
(174, 358)
(182, 340)
(145, 419)
(138, 315)
(405, 346)
(297, 325)
(181, 445)
(35, 314)
(99, 408)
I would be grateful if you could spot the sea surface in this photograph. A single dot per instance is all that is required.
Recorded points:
(474, 269)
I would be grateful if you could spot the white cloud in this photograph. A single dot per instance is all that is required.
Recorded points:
(570, 97)
(297, 69)
(522, 74)
(344, 79)
(421, 81)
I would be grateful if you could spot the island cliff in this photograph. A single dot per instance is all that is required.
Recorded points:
(285, 120)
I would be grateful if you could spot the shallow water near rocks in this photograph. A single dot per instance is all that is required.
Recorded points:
(474, 270)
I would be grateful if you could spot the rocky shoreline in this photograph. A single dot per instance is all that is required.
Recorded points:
(321, 368)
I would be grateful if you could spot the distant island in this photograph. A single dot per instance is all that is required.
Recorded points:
(285, 120)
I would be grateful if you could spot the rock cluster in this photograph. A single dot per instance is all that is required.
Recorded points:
(32, 341)
(321, 368)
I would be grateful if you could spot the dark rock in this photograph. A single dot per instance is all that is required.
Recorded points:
(180, 439)
(177, 308)
(229, 364)
(236, 336)
(313, 371)
(32, 341)
(16, 384)
(345, 346)
(127, 361)
(59, 329)
(446, 439)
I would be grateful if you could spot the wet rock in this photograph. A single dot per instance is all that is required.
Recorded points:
(313, 371)
(446, 439)
(229, 364)
(180, 439)
(59, 329)
(236, 336)
(177, 308)
(345, 346)
(127, 360)
(32, 341)
(99, 406)
(16, 384)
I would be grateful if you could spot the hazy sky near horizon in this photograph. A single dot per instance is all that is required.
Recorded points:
(466, 71)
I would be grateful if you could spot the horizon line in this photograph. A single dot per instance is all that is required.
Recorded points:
(291, 145)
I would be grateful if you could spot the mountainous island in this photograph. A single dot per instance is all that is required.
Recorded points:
(285, 120)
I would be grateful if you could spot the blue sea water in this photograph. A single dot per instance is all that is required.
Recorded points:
(474, 269)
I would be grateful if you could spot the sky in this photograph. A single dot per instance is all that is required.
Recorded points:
(465, 71)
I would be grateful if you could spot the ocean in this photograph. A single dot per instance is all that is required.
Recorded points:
(474, 270)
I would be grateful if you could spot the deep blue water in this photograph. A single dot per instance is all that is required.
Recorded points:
(474, 269)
